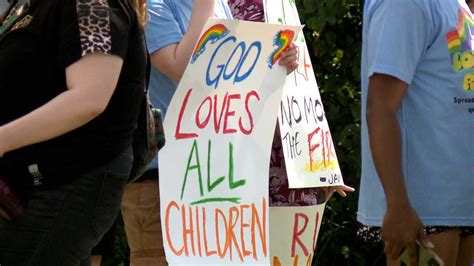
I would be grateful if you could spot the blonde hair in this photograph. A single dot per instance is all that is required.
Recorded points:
(140, 8)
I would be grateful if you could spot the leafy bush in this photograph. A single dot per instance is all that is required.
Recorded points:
(333, 34)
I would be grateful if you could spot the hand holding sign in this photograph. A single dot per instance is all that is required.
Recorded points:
(310, 155)
(290, 58)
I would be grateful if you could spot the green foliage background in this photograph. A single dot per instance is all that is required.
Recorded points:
(333, 34)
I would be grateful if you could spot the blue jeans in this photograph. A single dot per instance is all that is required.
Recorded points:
(60, 226)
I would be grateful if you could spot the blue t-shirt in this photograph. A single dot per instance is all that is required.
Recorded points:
(168, 22)
(429, 45)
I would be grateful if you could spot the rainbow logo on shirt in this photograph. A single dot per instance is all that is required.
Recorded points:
(460, 45)
(454, 42)
(212, 35)
(462, 33)
(282, 40)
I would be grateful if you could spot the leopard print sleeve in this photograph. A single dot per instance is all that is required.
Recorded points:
(93, 26)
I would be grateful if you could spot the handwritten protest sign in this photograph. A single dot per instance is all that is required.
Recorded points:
(310, 156)
(294, 232)
(219, 127)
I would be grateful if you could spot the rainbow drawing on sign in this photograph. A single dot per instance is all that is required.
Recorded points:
(212, 35)
(282, 40)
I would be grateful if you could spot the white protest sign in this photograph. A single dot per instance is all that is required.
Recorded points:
(296, 230)
(219, 127)
(310, 156)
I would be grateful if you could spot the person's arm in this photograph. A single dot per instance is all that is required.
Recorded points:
(91, 82)
(401, 226)
(341, 190)
(172, 59)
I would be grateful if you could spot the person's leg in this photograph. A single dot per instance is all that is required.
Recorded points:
(141, 216)
(466, 251)
(56, 228)
(106, 247)
(87, 261)
(446, 245)
(391, 262)
(60, 226)
(95, 260)
(22, 237)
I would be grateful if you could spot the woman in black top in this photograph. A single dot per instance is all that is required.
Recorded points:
(72, 75)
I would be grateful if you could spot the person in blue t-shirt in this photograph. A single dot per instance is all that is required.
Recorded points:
(417, 132)
(173, 29)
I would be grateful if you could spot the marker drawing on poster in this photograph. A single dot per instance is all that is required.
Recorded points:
(308, 147)
(219, 127)
(295, 231)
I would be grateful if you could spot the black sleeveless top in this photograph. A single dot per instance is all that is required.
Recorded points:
(40, 40)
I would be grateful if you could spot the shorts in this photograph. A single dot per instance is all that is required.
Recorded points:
(373, 233)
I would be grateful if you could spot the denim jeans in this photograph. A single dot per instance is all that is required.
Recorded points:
(60, 226)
